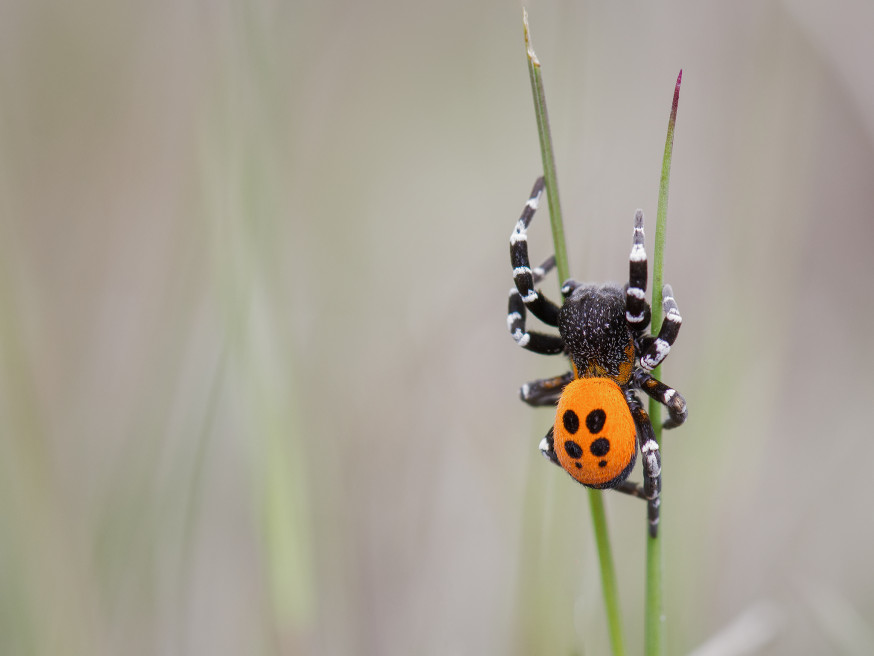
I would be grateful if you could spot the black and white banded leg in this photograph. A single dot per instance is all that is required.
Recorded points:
(531, 340)
(667, 396)
(545, 391)
(658, 349)
(652, 466)
(540, 306)
(637, 312)
(539, 272)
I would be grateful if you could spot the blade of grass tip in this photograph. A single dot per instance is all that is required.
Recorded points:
(655, 619)
(596, 500)
(662, 215)
(549, 174)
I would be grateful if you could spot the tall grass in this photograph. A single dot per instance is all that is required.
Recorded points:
(596, 498)
(654, 611)
(655, 617)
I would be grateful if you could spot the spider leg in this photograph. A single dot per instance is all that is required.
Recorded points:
(632, 489)
(540, 272)
(533, 341)
(652, 466)
(637, 312)
(658, 349)
(547, 447)
(545, 391)
(540, 306)
(667, 396)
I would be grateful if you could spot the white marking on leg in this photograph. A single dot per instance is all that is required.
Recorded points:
(521, 271)
(669, 396)
(662, 348)
(521, 338)
(649, 446)
(637, 292)
(544, 447)
(533, 202)
(652, 466)
(519, 234)
(638, 254)
(512, 318)
(634, 318)
(530, 297)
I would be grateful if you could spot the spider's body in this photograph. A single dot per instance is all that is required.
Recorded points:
(600, 423)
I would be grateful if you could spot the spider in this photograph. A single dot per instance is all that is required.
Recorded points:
(600, 423)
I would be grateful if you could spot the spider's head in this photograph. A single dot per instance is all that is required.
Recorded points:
(595, 331)
(595, 438)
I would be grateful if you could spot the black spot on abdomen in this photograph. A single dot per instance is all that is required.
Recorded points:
(571, 421)
(595, 420)
(599, 447)
(573, 449)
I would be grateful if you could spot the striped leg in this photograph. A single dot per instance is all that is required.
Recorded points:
(652, 466)
(540, 306)
(637, 309)
(540, 272)
(546, 390)
(533, 341)
(667, 396)
(652, 475)
(658, 350)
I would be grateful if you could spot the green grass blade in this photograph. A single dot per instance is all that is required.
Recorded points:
(596, 500)
(662, 220)
(549, 175)
(608, 571)
(655, 618)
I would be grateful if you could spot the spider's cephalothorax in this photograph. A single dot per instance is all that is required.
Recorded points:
(600, 423)
(596, 336)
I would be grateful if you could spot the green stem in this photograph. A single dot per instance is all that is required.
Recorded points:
(608, 570)
(655, 619)
(596, 500)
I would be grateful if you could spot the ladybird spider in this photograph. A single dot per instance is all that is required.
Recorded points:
(600, 423)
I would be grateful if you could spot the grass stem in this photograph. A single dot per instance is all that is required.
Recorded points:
(596, 500)
(654, 641)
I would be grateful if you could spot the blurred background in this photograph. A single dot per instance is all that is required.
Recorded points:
(257, 395)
